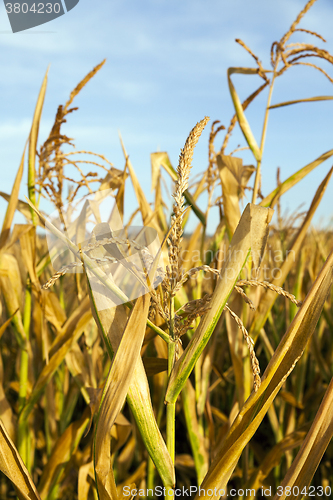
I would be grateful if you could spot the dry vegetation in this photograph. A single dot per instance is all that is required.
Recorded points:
(163, 386)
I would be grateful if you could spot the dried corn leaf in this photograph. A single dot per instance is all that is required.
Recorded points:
(85, 471)
(62, 453)
(131, 481)
(281, 365)
(120, 431)
(56, 357)
(159, 206)
(4, 326)
(12, 204)
(243, 123)
(309, 99)
(250, 235)
(274, 196)
(145, 209)
(114, 395)
(309, 456)
(111, 323)
(28, 251)
(268, 299)
(10, 284)
(53, 311)
(6, 413)
(275, 455)
(12, 465)
(114, 179)
(120, 198)
(230, 171)
(9, 267)
(33, 138)
(18, 231)
(22, 206)
(79, 369)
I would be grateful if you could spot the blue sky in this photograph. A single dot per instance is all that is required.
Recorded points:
(166, 69)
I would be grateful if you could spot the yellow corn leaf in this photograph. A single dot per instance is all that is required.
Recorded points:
(159, 206)
(235, 340)
(251, 235)
(12, 465)
(191, 251)
(10, 283)
(157, 160)
(273, 197)
(12, 204)
(309, 456)
(28, 250)
(63, 451)
(131, 481)
(66, 331)
(114, 395)
(230, 171)
(70, 335)
(4, 326)
(243, 123)
(145, 209)
(120, 431)
(13, 308)
(85, 471)
(79, 369)
(33, 138)
(120, 197)
(53, 311)
(18, 231)
(112, 323)
(309, 99)
(281, 365)
(114, 179)
(6, 413)
(9, 266)
(268, 299)
(22, 206)
(275, 455)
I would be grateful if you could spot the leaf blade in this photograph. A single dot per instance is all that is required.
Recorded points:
(243, 123)
(297, 101)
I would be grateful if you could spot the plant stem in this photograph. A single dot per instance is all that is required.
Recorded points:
(263, 135)
(171, 408)
(150, 477)
(171, 414)
(23, 433)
